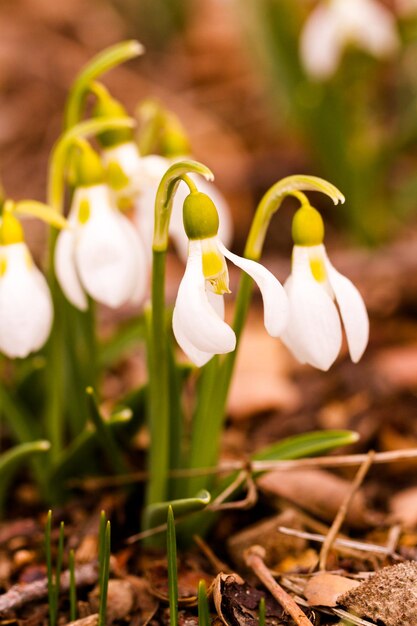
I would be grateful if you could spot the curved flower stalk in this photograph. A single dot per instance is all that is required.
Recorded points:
(25, 301)
(314, 288)
(335, 24)
(198, 319)
(142, 176)
(135, 178)
(100, 254)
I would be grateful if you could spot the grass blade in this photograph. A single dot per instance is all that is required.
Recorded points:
(51, 590)
(203, 610)
(73, 588)
(261, 619)
(172, 569)
(105, 571)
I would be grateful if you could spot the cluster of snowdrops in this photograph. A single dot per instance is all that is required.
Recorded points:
(125, 203)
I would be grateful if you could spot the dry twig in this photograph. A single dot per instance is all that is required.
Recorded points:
(341, 514)
(254, 559)
(18, 595)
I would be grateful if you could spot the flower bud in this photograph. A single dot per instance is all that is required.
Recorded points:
(307, 227)
(107, 106)
(200, 216)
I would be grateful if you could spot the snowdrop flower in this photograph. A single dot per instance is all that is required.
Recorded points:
(100, 254)
(335, 24)
(314, 288)
(25, 302)
(198, 318)
(138, 177)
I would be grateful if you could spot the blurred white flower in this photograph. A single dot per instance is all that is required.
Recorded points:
(314, 332)
(198, 319)
(335, 24)
(101, 253)
(25, 302)
(143, 175)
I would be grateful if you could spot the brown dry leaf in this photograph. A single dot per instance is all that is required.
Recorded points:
(319, 492)
(323, 589)
(264, 533)
(189, 577)
(261, 383)
(403, 506)
(237, 603)
(397, 367)
(389, 597)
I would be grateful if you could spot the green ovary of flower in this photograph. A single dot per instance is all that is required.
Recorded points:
(201, 220)
(10, 230)
(307, 227)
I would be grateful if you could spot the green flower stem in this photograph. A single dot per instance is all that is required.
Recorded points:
(101, 63)
(159, 383)
(61, 352)
(217, 376)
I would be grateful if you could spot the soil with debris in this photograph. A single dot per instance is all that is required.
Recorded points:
(370, 573)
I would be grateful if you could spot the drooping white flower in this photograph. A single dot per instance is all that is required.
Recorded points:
(335, 24)
(198, 318)
(314, 330)
(143, 175)
(26, 311)
(101, 254)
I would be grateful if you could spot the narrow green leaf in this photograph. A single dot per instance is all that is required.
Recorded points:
(58, 568)
(203, 610)
(101, 547)
(105, 436)
(105, 576)
(48, 552)
(156, 514)
(10, 460)
(261, 620)
(71, 461)
(306, 444)
(73, 587)
(172, 568)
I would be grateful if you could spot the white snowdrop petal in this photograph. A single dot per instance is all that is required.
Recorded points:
(352, 310)
(25, 304)
(105, 258)
(140, 282)
(65, 269)
(198, 357)
(373, 27)
(314, 327)
(273, 294)
(321, 42)
(195, 316)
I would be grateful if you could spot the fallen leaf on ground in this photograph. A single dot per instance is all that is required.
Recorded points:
(319, 492)
(324, 589)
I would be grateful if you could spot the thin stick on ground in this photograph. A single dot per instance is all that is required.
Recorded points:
(343, 509)
(393, 456)
(254, 559)
(22, 594)
(357, 546)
